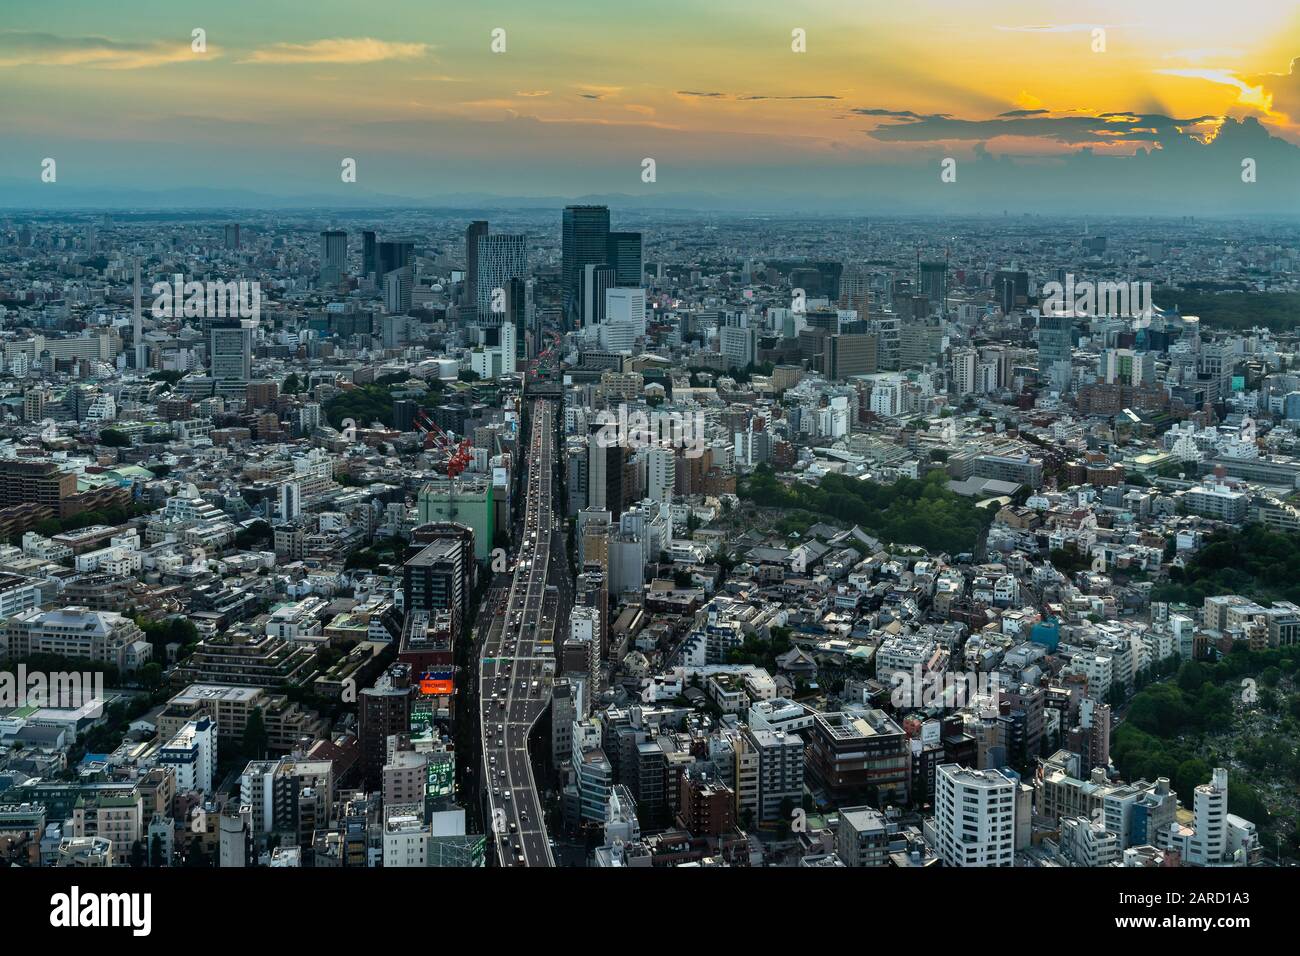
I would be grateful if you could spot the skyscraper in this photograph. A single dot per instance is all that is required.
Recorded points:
(230, 351)
(933, 282)
(368, 257)
(333, 255)
(476, 231)
(974, 817)
(393, 254)
(584, 242)
(623, 254)
(597, 278)
(500, 258)
(1054, 348)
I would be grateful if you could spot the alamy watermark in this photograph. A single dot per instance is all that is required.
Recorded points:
(637, 429)
(63, 689)
(1087, 298)
(940, 688)
(196, 300)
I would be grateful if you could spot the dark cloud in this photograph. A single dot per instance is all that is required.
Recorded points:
(1075, 129)
(816, 96)
(900, 114)
(751, 97)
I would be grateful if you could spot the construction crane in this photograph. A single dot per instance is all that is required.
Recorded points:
(458, 453)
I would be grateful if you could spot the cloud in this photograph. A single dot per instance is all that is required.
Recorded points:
(899, 114)
(811, 96)
(1074, 130)
(1283, 89)
(19, 48)
(532, 92)
(1204, 53)
(1247, 94)
(755, 97)
(593, 91)
(1057, 28)
(342, 50)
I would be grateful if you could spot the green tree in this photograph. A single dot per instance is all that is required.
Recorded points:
(255, 737)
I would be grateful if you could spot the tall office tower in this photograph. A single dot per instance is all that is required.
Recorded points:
(660, 472)
(584, 629)
(974, 816)
(623, 254)
(519, 313)
(584, 241)
(932, 281)
(1210, 811)
(230, 351)
(597, 278)
(385, 709)
(137, 324)
(624, 319)
(1011, 289)
(474, 232)
(397, 291)
(965, 366)
(393, 254)
(500, 258)
(369, 258)
(1054, 349)
(333, 255)
(232, 236)
(290, 501)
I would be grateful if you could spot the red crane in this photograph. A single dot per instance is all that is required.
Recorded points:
(458, 453)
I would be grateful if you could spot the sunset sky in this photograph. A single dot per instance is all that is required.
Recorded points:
(585, 90)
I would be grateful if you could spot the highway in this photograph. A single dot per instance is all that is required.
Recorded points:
(519, 660)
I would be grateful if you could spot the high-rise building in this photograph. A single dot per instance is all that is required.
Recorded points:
(333, 255)
(933, 283)
(369, 254)
(965, 366)
(1011, 288)
(500, 258)
(438, 577)
(192, 755)
(597, 279)
(232, 236)
(474, 232)
(398, 288)
(230, 352)
(584, 241)
(623, 254)
(392, 254)
(1054, 349)
(974, 816)
(385, 709)
(850, 354)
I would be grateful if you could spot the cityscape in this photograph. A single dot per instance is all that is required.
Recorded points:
(361, 515)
